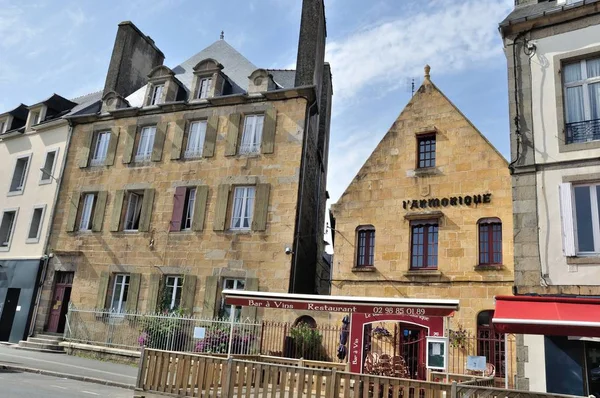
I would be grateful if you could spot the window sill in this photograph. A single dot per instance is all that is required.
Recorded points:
(240, 231)
(364, 268)
(249, 155)
(45, 182)
(4, 249)
(489, 267)
(15, 193)
(426, 171)
(594, 259)
(428, 273)
(32, 241)
(130, 231)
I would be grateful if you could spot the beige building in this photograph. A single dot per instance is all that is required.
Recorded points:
(429, 215)
(206, 176)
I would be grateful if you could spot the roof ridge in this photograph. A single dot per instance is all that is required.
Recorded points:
(85, 95)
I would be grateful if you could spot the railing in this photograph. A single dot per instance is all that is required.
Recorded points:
(182, 375)
(588, 130)
(193, 153)
(249, 149)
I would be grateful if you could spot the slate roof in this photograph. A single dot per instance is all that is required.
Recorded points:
(284, 77)
(86, 104)
(533, 11)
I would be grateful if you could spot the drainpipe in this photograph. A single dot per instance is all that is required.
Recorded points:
(47, 255)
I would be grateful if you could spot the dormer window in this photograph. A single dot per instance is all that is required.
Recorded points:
(204, 87)
(208, 79)
(35, 118)
(157, 92)
(2, 126)
(163, 87)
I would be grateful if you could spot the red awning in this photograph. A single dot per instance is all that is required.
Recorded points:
(559, 316)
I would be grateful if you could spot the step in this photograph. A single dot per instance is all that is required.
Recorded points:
(43, 340)
(38, 350)
(50, 336)
(40, 346)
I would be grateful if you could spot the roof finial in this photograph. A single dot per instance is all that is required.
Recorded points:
(222, 37)
(427, 70)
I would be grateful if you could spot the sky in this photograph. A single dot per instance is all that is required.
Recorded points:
(375, 49)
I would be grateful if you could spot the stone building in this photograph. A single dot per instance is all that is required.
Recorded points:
(553, 54)
(428, 215)
(207, 175)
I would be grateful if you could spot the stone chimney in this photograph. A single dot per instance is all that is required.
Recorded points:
(311, 45)
(134, 56)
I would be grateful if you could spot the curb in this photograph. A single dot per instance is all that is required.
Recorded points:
(67, 376)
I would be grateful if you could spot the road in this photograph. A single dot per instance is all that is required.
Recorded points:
(32, 385)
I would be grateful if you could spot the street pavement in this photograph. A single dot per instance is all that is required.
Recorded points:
(68, 365)
(31, 385)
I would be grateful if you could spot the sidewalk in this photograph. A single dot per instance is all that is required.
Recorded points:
(68, 366)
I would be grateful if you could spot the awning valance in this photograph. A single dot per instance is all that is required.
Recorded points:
(558, 316)
(347, 304)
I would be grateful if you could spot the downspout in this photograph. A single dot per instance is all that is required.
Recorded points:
(47, 255)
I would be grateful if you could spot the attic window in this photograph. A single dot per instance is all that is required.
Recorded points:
(426, 151)
(35, 118)
(2, 126)
(157, 92)
(204, 87)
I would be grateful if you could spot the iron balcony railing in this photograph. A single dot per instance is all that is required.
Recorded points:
(585, 131)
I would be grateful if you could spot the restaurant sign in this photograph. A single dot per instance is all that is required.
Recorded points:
(433, 203)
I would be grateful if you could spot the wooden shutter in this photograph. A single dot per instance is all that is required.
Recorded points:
(268, 134)
(146, 213)
(210, 297)
(233, 129)
(133, 293)
(129, 142)
(102, 289)
(261, 207)
(112, 147)
(153, 289)
(188, 293)
(73, 208)
(200, 207)
(159, 142)
(115, 219)
(98, 217)
(250, 312)
(177, 145)
(221, 207)
(85, 149)
(566, 217)
(178, 206)
(210, 138)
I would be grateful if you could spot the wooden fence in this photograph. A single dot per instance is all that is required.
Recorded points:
(192, 375)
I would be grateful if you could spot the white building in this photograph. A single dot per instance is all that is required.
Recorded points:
(553, 54)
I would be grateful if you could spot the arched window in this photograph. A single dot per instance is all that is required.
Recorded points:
(365, 246)
(491, 344)
(490, 241)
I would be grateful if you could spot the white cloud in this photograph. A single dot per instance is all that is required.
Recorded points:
(14, 31)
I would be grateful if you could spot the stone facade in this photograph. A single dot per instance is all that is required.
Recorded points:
(390, 192)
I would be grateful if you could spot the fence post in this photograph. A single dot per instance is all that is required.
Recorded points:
(227, 387)
(332, 384)
(141, 369)
(453, 393)
(262, 336)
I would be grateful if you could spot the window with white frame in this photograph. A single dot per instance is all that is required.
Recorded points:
(188, 210)
(252, 134)
(35, 118)
(173, 287)
(19, 174)
(2, 126)
(586, 218)
(118, 301)
(35, 227)
(243, 207)
(157, 92)
(87, 211)
(134, 211)
(582, 100)
(101, 142)
(226, 310)
(7, 227)
(48, 169)
(145, 144)
(195, 141)
(204, 87)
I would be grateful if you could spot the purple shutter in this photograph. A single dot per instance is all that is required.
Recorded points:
(178, 205)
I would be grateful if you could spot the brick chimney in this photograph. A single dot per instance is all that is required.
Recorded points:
(134, 55)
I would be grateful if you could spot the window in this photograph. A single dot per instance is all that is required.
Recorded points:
(195, 141)
(134, 211)
(145, 144)
(157, 92)
(35, 118)
(2, 125)
(173, 286)
(7, 227)
(119, 293)
(87, 212)
(100, 148)
(365, 246)
(33, 236)
(582, 100)
(204, 87)
(252, 134)
(491, 344)
(424, 245)
(232, 284)
(188, 210)
(48, 168)
(243, 207)
(426, 148)
(587, 228)
(490, 241)
(20, 174)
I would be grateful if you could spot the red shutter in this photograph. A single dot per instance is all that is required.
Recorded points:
(178, 205)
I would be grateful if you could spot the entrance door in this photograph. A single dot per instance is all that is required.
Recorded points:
(412, 349)
(8, 312)
(60, 302)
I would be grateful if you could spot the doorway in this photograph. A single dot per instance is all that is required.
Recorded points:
(8, 313)
(411, 346)
(60, 302)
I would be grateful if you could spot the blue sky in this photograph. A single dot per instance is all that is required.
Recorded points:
(375, 47)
